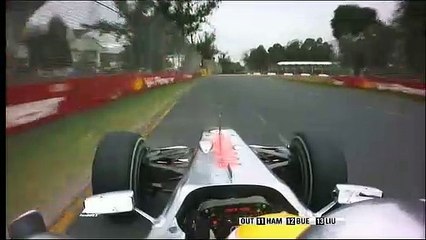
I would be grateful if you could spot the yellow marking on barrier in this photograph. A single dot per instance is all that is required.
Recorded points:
(369, 85)
(204, 72)
(138, 84)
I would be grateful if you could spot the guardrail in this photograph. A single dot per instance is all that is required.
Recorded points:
(396, 85)
(30, 105)
(408, 86)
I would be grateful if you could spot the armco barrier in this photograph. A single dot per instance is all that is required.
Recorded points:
(396, 85)
(354, 81)
(30, 105)
(404, 82)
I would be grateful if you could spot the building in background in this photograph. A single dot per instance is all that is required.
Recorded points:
(96, 50)
(89, 49)
(175, 61)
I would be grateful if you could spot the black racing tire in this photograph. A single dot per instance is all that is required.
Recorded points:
(319, 165)
(26, 225)
(117, 165)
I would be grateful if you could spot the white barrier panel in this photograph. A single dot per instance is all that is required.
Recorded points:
(59, 87)
(256, 73)
(158, 81)
(23, 113)
(322, 75)
(399, 88)
(390, 86)
(288, 74)
(305, 74)
(271, 74)
(339, 83)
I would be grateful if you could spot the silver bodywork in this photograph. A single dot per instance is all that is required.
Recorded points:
(252, 167)
(203, 172)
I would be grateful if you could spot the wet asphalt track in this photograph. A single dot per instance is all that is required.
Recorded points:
(382, 136)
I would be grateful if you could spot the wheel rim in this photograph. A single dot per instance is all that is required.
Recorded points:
(135, 168)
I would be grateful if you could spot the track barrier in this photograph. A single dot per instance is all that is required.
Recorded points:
(30, 105)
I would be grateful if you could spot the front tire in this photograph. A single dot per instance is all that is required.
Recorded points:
(319, 165)
(117, 164)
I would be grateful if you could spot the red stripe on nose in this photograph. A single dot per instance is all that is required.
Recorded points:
(223, 151)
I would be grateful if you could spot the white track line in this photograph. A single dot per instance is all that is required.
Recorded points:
(262, 119)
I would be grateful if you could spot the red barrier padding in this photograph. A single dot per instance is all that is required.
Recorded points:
(412, 83)
(353, 81)
(33, 92)
(30, 105)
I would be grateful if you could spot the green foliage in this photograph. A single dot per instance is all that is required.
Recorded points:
(366, 42)
(358, 31)
(228, 66)
(410, 24)
(50, 50)
(156, 28)
(293, 50)
(276, 53)
(309, 50)
(378, 45)
(352, 19)
(187, 14)
(257, 59)
(206, 47)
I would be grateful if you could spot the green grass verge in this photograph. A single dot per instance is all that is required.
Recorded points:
(41, 162)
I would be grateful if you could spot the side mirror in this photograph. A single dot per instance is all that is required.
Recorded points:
(349, 193)
(112, 203)
(108, 203)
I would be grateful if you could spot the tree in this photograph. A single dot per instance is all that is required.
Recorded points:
(17, 15)
(349, 23)
(293, 50)
(378, 45)
(276, 53)
(155, 28)
(321, 51)
(228, 66)
(410, 21)
(50, 50)
(188, 15)
(206, 45)
(352, 19)
(248, 62)
(258, 59)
